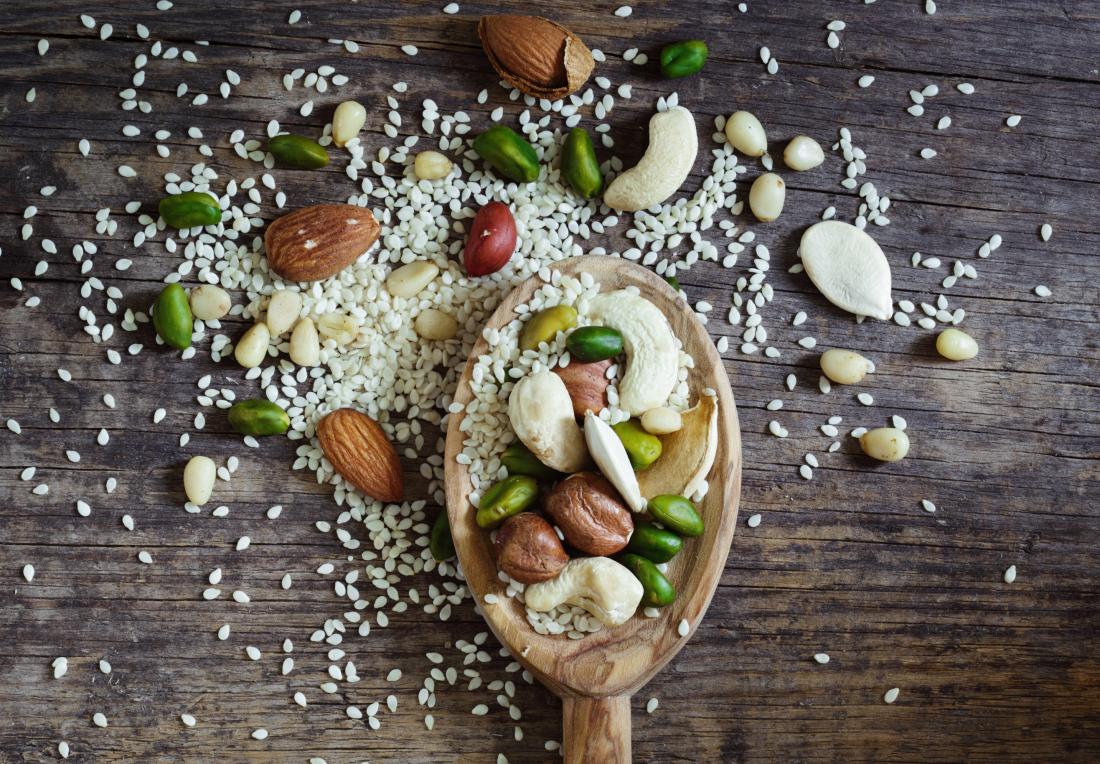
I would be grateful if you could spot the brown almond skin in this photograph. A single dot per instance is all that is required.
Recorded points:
(590, 514)
(535, 55)
(529, 550)
(360, 451)
(587, 384)
(316, 242)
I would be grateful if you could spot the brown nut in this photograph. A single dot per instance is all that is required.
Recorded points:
(529, 550)
(590, 514)
(587, 385)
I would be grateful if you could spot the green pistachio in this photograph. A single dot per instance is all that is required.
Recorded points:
(642, 447)
(190, 209)
(657, 591)
(507, 498)
(653, 543)
(579, 165)
(545, 325)
(682, 59)
(519, 460)
(440, 543)
(676, 513)
(508, 153)
(258, 417)
(594, 343)
(298, 151)
(172, 317)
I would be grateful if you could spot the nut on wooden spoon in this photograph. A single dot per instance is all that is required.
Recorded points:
(596, 676)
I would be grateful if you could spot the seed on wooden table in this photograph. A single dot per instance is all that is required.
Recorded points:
(1010, 574)
(766, 197)
(891, 695)
(198, 479)
(956, 345)
(347, 121)
(886, 444)
(844, 366)
(209, 302)
(821, 658)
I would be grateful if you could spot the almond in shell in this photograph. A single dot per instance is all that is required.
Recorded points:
(360, 451)
(535, 55)
(316, 242)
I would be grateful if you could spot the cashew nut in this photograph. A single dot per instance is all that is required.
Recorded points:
(665, 166)
(652, 357)
(600, 585)
(848, 267)
(541, 414)
(610, 456)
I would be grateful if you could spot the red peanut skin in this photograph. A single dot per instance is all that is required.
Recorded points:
(492, 240)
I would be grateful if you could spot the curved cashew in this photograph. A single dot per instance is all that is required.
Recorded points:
(600, 585)
(541, 413)
(610, 456)
(848, 267)
(665, 166)
(652, 357)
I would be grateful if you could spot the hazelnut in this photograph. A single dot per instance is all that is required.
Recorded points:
(529, 550)
(590, 513)
(587, 385)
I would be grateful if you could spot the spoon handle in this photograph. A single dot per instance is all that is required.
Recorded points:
(596, 729)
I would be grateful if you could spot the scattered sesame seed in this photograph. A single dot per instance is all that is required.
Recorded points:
(651, 705)
(1010, 574)
(754, 520)
(683, 627)
(891, 694)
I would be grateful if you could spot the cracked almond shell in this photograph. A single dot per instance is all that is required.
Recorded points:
(535, 55)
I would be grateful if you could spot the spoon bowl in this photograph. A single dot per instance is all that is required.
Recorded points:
(597, 675)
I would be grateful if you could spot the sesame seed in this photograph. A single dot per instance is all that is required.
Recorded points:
(683, 627)
(1010, 574)
(891, 695)
(754, 520)
(821, 658)
(651, 705)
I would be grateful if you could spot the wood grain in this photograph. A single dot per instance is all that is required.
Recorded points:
(613, 663)
(1007, 445)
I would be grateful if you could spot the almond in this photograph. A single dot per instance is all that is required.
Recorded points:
(535, 55)
(316, 242)
(360, 451)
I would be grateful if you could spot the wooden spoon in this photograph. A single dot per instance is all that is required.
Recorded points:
(596, 676)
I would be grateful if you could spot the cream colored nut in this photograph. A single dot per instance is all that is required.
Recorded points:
(659, 174)
(541, 414)
(409, 280)
(251, 349)
(803, 153)
(844, 367)
(198, 479)
(283, 311)
(599, 585)
(435, 325)
(610, 456)
(887, 444)
(766, 197)
(305, 346)
(431, 165)
(347, 121)
(746, 134)
(209, 302)
(848, 267)
(338, 327)
(652, 358)
(661, 421)
(956, 345)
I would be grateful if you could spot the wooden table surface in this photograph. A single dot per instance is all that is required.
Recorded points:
(847, 563)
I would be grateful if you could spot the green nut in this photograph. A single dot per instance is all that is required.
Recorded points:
(594, 343)
(190, 209)
(440, 543)
(507, 498)
(654, 543)
(298, 151)
(642, 447)
(676, 513)
(657, 591)
(683, 59)
(545, 325)
(579, 165)
(508, 153)
(172, 317)
(258, 417)
(519, 460)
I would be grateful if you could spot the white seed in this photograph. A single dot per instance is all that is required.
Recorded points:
(434, 324)
(1010, 574)
(956, 345)
(887, 444)
(821, 658)
(844, 366)
(305, 346)
(661, 421)
(865, 81)
(431, 165)
(198, 479)
(409, 280)
(754, 520)
(347, 121)
(746, 134)
(209, 302)
(283, 311)
(803, 153)
(891, 695)
(766, 197)
(1046, 231)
